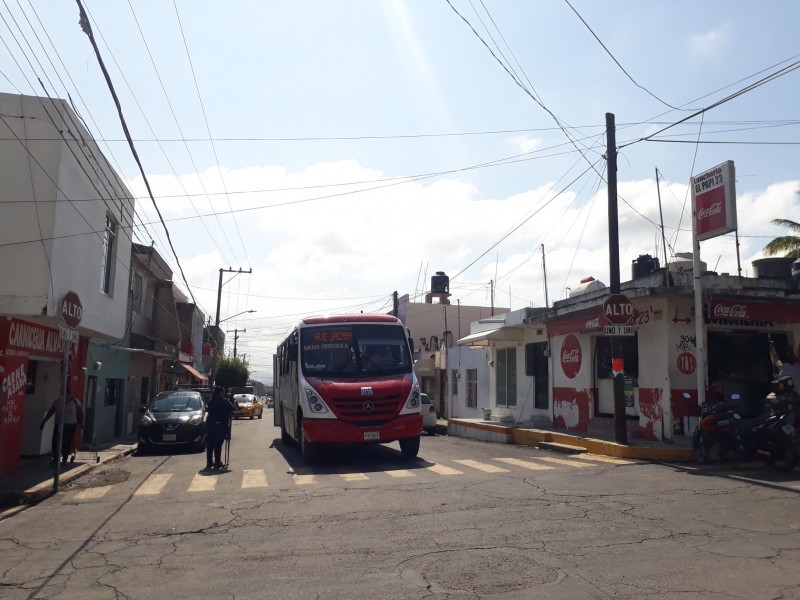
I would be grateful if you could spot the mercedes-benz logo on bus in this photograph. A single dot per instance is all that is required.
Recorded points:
(368, 406)
(366, 391)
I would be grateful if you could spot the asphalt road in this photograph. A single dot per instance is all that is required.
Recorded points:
(466, 520)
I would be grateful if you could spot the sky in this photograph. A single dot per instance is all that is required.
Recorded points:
(346, 150)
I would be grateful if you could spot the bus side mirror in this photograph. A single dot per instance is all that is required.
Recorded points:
(411, 343)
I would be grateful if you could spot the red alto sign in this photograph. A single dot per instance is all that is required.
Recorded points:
(617, 309)
(71, 309)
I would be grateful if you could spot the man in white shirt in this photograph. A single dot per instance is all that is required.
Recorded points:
(71, 413)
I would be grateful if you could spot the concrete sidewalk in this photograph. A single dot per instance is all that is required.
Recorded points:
(600, 442)
(32, 482)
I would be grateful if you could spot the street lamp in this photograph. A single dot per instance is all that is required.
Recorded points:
(234, 316)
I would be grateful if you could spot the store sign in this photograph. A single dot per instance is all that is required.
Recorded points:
(13, 372)
(23, 338)
(752, 314)
(714, 201)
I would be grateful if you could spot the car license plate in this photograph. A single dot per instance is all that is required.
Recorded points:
(372, 435)
(170, 437)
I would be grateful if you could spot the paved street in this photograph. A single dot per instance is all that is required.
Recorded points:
(466, 520)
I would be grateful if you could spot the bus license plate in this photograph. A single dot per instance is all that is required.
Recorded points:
(170, 437)
(372, 435)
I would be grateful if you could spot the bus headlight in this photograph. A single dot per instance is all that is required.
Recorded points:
(315, 402)
(413, 398)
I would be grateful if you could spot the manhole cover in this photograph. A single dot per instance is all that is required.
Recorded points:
(482, 572)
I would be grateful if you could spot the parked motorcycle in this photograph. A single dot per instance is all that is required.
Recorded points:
(770, 436)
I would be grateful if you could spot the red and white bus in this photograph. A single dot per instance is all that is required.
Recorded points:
(347, 379)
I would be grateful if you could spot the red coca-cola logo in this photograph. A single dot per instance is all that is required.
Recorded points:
(730, 311)
(571, 356)
(714, 209)
(592, 324)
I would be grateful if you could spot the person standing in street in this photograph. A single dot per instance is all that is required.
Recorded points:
(219, 414)
(71, 413)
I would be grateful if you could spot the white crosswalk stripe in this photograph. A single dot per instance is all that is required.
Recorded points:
(93, 493)
(397, 473)
(564, 461)
(202, 483)
(153, 484)
(603, 459)
(486, 468)
(254, 478)
(443, 470)
(304, 479)
(526, 464)
(353, 476)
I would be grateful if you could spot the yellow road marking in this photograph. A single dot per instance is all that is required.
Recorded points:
(525, 464)
(93, 493)
(254, 478)
(443, 470)
(481, 466)
(153, 484)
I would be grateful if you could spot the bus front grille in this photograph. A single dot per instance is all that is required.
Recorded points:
(374, 408)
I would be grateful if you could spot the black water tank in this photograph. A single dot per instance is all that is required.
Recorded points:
(773, 268)
(440, 283)
(644, 265)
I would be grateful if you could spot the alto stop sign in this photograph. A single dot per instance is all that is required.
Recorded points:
(71, 309)
(617, 309)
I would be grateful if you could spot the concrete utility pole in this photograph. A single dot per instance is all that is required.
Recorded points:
(620, 426)
(236, 337)
(216, 321)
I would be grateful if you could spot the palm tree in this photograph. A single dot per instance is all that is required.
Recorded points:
(786, 245)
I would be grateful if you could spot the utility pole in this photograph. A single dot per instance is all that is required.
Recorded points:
(620, 426)
(216, 321)
(236, 337)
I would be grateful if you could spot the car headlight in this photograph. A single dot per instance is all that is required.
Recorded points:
(146, 421)
(196, 420)
(315, 402)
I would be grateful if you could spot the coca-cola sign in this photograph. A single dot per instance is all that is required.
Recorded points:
(571, 356)
(714, 201)
(729, 311)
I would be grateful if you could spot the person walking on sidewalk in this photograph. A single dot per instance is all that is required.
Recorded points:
(219, 415)
(71, 413)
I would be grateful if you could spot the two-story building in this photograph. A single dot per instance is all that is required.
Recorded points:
(65, 227)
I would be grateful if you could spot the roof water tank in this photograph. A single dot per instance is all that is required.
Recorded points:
(644, 265)
(684, 261)
(587, 284)
(440, 283)
(779, 267)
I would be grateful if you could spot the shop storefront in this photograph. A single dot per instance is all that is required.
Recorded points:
(31, 357)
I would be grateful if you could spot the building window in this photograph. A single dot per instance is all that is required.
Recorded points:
(136, 293)
(109, 250)
(472, 388)
(454, 378)
(506, 377)
(113, 392)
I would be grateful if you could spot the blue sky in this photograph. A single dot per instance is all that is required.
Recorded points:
(324, 115)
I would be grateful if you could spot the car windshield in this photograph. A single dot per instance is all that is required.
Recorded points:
(177, 402)
(242, 398)
(354, 350)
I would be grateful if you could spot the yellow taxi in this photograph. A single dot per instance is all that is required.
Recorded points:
(247, 405)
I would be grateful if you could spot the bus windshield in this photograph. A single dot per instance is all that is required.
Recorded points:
(354, 350)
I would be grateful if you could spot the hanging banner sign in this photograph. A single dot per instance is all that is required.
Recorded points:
(23, 338)
(714, 201)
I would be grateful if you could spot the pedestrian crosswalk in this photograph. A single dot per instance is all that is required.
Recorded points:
(257, 479)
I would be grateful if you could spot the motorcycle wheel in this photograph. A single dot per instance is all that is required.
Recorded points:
(783, 456)
(701, 446)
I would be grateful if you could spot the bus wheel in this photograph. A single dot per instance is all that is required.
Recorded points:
(409, 447)
(308, 450)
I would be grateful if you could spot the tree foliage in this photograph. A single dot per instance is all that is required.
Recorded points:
(785, 245)
(232, 372)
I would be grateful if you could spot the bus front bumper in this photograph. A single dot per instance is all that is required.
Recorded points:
(335, 431)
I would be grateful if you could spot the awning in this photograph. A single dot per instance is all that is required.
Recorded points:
(195, 373)
(503, 334)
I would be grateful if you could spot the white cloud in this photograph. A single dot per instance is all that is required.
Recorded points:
(704, 45)
(525, 143)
